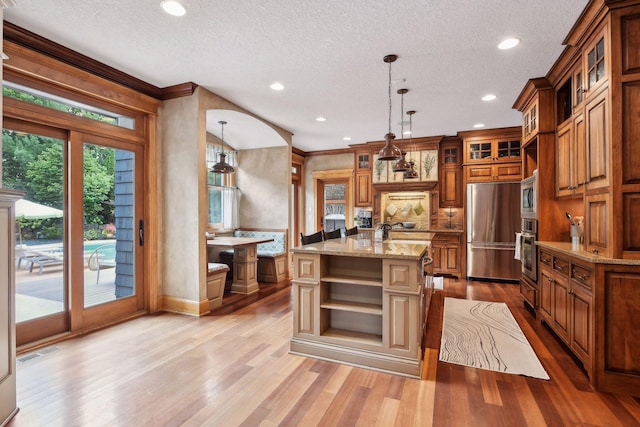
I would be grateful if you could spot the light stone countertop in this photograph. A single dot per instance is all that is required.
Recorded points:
(580, 253)
(413, 230)
(366, 247)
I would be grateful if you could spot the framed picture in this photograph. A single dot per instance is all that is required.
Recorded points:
(429, 165)
(380, 170)
(395, 176)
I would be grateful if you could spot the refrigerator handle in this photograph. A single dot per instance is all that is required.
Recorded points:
(494, 246)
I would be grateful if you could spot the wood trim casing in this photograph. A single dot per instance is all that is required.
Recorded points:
(32, 41)
(183, 306)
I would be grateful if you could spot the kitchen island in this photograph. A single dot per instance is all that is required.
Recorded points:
(362, 303)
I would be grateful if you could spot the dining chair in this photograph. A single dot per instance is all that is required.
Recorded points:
(351, 231)
(335, 234)
(312, 238)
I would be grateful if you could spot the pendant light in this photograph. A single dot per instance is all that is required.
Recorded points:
(389, 151)
(402, 165)
(222, 166)
(411, 173)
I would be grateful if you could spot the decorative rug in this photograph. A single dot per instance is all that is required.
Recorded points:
(485, 335)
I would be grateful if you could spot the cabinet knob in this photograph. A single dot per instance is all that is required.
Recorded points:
(595, 251)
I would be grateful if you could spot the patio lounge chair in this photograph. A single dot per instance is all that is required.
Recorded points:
(43, 259)
(98, 262)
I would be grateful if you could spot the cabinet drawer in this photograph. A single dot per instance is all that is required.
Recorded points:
(561, 265)
(582, 275)
(545, 258)
(446, 238)
(528, 293)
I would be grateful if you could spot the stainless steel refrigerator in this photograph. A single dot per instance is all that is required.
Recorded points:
(493, 218)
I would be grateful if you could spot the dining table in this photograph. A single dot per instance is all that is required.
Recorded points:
(245, 260)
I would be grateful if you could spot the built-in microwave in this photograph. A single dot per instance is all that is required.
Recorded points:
(529, 197)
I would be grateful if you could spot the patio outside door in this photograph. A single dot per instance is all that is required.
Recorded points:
(79, 259)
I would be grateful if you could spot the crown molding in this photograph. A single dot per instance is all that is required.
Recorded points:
(39, 44)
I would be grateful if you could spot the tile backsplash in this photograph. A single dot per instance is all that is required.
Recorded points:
(406, 207)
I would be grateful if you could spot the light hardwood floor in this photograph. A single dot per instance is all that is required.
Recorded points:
(233, 368)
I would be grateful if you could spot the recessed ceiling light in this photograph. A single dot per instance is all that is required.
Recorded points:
(277, 86)
(509, 43)
(321, 119)
(173, 7)
(489, 97)
(346, 138)
(478, 125)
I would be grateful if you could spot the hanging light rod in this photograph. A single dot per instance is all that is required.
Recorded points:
(402, 165)
(222, 166)
(411, 173)
(389, 151)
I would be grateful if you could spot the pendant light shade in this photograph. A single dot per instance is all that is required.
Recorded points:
(411, 173)
(222, 166)
(402, 165)
(389, 151)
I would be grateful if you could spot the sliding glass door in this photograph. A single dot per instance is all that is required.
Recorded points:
(112, 230)
(34, 161)
(80, 235)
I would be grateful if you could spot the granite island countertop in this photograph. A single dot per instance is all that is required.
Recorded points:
(579, 252)
(422, 230)
(367, 247)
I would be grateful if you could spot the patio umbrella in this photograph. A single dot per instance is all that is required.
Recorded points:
(26, 209)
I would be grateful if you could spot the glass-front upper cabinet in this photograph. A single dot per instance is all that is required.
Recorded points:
(595, 67)
(363, 160)
(493, 150)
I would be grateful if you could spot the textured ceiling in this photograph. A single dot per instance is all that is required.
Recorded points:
(328, 55)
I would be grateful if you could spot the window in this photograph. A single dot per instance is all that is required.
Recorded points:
(58, 103)
(222, 192)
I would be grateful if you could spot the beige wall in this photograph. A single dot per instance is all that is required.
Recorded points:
(265, 183)
(183, 194)
(320, 163)
(179, 198)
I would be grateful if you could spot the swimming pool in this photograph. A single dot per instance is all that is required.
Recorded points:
(107, 248)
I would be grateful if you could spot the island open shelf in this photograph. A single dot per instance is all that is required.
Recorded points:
(363, 307)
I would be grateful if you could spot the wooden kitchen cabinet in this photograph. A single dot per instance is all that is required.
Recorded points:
(492, 155)
(363, 190)
(597, 142)
(566, 302)
(450, 174)
(363, 194)
(570, 154)
(596, 62)
(598, 225)
(590, 302)
(447, 252)
(492, 150)
(495, 172)
(571, 157)
(530, 121)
